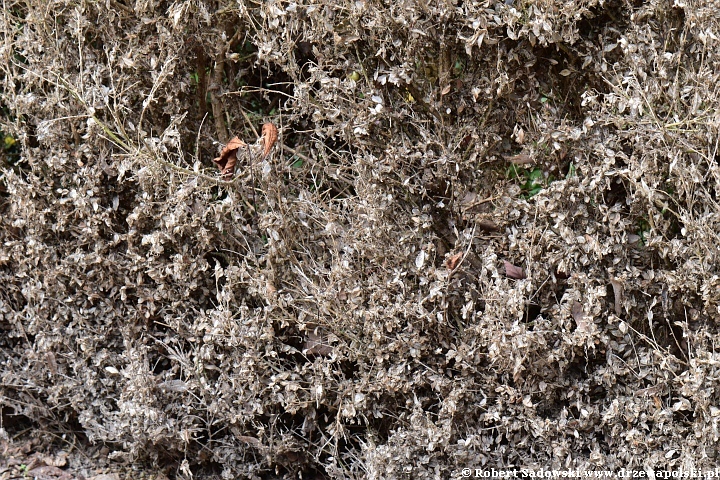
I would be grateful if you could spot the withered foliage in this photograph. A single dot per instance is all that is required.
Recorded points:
(270, 138)
(513, 271)
(305, 310)
(228, 157)
(453, 261)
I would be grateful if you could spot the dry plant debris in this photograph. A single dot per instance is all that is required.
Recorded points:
(453, 261)
(270, 137)
(228, 157)
(513, 271)
(307, 311)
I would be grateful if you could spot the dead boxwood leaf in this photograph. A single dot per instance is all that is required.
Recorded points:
(59, 460)
(513, 272)
(578, 314)
(269, 136)
(618, 289)
(521, 159)
(487, 225)
(228, 157)
(250, 440)
(49, 471)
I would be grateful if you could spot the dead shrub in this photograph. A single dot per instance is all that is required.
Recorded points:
(487, 234)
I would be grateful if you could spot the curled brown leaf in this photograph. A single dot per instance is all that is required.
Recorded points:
(269, 136)
(512, 271)
(578, 314)
(453, 261)
(228, 157)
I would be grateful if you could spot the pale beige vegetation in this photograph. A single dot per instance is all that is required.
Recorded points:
(487, 236)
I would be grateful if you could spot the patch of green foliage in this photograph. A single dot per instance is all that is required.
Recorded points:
(532, 180)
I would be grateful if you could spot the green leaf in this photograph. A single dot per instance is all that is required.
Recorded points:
(458, 68)
(571, 171)
(534, 191)
(535, 174)
(513, 172)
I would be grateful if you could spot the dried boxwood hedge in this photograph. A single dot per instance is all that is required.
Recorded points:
(488, 235)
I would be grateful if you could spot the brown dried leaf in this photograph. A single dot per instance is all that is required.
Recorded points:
(513, 272)
(618, 289)
(521, 159)
(579, 317)
(228, 157)
(488, 225)
(518, 369)
(270, 288)
(51, 363)
(249, 440)
(269, 136)
(48, 471)
(59, 460)
(452, 262)
(633, 239)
